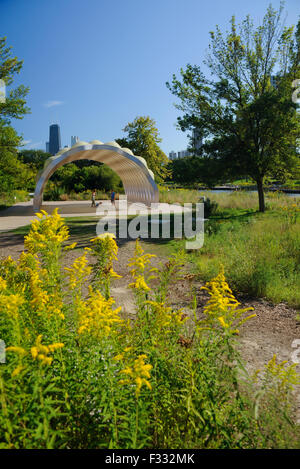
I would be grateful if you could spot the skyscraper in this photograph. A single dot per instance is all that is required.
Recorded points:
(54, 139)
(74, 140)
(197, 140)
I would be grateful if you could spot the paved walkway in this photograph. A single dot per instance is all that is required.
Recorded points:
(22, 213)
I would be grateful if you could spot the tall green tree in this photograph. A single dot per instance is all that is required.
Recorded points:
(142, 137)
(15, 102)
(13, 174)
(34, 158)
(245, 112)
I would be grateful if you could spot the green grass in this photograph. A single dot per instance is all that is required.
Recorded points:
(9, 199)
(260, 251)
(260, 254)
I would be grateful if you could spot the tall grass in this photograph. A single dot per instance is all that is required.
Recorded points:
(261, 254)
(226, 200)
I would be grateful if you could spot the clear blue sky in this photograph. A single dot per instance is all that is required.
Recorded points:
(94, 65)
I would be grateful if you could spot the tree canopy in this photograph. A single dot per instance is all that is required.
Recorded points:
(13, 173)
(245, 112)
(143, 139)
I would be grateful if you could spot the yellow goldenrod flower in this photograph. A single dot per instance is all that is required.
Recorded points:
(105, 249)
(3, 284)
(96, 316)
(221, 319)
(222, 307)
(46, 233)
(79, 272)
(164, 318)
(19, 350)
(140, 284)
(41, 352)
(70, 246)
(137, 374)
(103, 236)
(140, 263)
(10, 304)
(17, 370)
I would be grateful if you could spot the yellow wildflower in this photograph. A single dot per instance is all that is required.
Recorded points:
(70, 246)
(41, 352)
(79, 272)
(222, 307)
(46, 232)
(164, 317)
(96, 315)
(138, 374)
(140, 284)
(17, 370)
(10, 304)
(19, 350)
(223, 323)
(3, 284)
(139, 264)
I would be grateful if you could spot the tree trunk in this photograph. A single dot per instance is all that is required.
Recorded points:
(261, 195)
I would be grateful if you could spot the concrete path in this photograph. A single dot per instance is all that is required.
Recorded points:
(22, 213)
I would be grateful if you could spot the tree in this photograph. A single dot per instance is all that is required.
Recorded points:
(13, 174)
(72, 178)
(245, 114)
(15, 103)
(195, 169)
(143, 139)
(35, 158)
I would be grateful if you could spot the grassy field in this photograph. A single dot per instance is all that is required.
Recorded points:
(259, 251)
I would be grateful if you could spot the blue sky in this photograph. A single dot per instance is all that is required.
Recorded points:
(94, 65)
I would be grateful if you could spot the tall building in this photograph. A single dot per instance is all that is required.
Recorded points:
(273, 80)
(180, 154)
(183, 154)
(197, 140)
(47, 147)
(74, 140)
(54, 139)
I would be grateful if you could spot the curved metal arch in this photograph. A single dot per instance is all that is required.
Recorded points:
(138, 180)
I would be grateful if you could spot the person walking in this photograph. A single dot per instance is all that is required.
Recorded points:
(112, 197)
(94, 198)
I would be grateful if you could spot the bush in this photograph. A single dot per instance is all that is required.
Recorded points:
(76, 179)
(11, 198)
